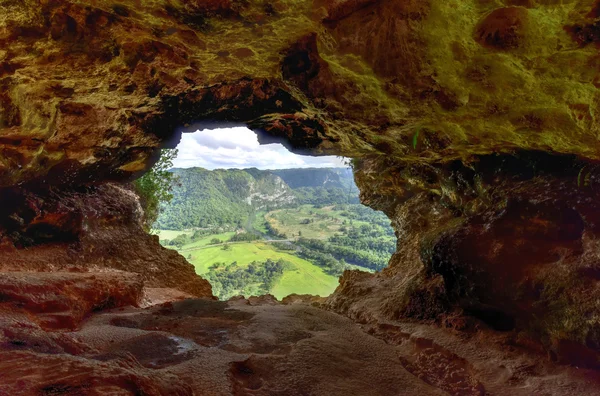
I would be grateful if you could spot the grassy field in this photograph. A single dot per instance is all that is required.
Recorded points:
(205, 241)
(324, 222)
(307, 278)
(243, 253)
(302, 278)
(170, 234)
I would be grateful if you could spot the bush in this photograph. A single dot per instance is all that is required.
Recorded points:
(180, 241)
(155, 187)
(199, 234)
(287, 246)
(244, 237)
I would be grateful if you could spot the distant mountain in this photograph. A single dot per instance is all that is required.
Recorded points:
(321, 186)
(318, 177)
(204, 198)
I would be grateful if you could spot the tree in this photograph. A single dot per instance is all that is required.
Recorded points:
(180, 241)
(155, 187)
(226, 247)
(199, 234)
(244, 236)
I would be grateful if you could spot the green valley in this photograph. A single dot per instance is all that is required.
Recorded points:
(276, 239)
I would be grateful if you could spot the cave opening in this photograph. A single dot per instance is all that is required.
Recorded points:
(258, 219)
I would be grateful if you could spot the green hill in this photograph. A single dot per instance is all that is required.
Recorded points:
(209, 199)
(321, 186)
(203, 198)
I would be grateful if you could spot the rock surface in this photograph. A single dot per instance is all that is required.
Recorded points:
(511, 241)
(474, 127)
(265, 348)
(89, 229)
(90, 89)
(59, 300)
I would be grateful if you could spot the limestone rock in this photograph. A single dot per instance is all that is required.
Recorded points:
(223, 348)
(89, 229)
(61, 300)
(93, 89)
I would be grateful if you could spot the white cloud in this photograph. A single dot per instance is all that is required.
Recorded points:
(239, 148)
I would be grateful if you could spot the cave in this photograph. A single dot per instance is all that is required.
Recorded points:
(471, 124)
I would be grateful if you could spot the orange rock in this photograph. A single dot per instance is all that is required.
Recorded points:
(60, 300)
(503, 28)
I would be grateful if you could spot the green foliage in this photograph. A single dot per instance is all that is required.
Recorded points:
(321, 196)
(365, 214)
(154, 188)
(323, 260)
(324, 253)
(285, 246)
(244, 237)
(254, 279)
(367, 240)
(273, 232)
(199, 234)
(180, 241)
(209, 199)
(415, 139)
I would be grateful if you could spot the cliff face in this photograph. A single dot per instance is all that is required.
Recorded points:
(474, 124)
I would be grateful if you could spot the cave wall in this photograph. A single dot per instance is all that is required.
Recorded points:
(509, 242)
(473, 122)
(89, 229)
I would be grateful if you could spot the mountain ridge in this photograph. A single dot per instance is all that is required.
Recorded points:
(207, 198)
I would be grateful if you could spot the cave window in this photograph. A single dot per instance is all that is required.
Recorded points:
(256, 219)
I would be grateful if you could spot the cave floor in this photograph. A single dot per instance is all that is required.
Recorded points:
(257, 346)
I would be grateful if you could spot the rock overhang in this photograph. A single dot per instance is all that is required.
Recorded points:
(101, 86)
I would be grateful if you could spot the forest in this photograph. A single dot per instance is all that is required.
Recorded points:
(256, 278)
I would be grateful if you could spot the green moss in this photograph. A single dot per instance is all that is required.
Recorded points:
(415, 139)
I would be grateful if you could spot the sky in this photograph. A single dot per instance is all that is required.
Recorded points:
(239, 148)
